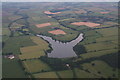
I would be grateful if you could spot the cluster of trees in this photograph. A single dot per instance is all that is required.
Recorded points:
(79, 49)
(54, 63)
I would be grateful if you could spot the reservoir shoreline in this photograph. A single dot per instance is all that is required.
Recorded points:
(61, 49)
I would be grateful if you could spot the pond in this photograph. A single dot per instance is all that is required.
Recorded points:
(60, 49)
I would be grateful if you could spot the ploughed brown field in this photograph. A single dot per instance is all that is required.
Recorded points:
(80, 11)
(48, 12)
(89, 24)
(56, 32)
(50, 16)
(43, 25)
(104, 12)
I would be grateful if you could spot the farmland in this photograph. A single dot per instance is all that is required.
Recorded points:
(89, 24)
(43, 25)
(25, 53)
(45, 75)
(56, 32)
(100, 71)
(34, 51)
(40, 66)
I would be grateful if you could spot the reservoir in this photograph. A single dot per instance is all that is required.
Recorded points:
(60, 49)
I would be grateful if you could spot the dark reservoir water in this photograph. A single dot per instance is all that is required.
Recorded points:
(60, 49)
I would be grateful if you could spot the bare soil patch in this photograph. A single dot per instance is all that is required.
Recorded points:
(50, 16)
(89, 24)
(48, 12)
(56, 32)
(80, 11)
(104, 12)
(43, 25)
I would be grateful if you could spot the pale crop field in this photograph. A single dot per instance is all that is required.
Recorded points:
(31, 55)
(34, 51)
(40, 42)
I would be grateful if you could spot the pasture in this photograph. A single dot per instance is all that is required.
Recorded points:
(45, 75)
(100, 46)
(100, 69)
(107, 38)
(31, 52)
(12, 69)
(65, 74)
(108, 31)
(40, 42)
(83, 74)
(13, 44)
(35, 65)
(98, 53)
(34, 51)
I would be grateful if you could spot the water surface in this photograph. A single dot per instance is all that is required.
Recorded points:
(60, 49)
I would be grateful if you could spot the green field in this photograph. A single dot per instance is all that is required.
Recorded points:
(98, 53)
(31, 52)
(108, 31)
(84, 74)
(100, 46)
(40, 42)
(108, 38)
(12, 69)
(13, 44)
(34, 51)
(36, 65)
(65, 74)
(100, 68)
(45, 75)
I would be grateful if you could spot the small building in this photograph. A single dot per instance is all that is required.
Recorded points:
(11, 56)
